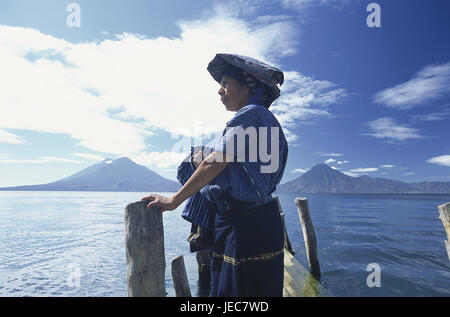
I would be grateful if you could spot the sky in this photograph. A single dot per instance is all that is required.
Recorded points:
(367, 84)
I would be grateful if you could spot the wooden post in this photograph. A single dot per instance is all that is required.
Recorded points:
(444, 215)
(287, 242)
(309, 236)
(179, 277)
(144, 242)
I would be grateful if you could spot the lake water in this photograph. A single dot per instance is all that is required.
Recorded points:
(72, 243)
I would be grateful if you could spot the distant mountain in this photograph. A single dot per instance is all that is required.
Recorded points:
(323, 179)
(111, 175)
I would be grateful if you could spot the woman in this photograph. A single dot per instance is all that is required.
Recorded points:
(248, 234)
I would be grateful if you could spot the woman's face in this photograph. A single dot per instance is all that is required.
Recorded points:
(233, 94)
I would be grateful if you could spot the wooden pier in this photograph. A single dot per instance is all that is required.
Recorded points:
(144, 240)
(444, 215)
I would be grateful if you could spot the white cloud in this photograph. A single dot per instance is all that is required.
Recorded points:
(161, 160)
(149, 79)
(55, 99)
(7, 137)
(409, 174)
(298, 170)
(330, 154)
(430, 83)
(387, 166)
(303, 4)
(237, 8)
(387, 128)
(51, 159)
(157, 83)
(350, 174)
(251, 7)
(42, 160)
(167, 170)
(342, 162)
(90, 156)
(329, 161)
(434, 116)
(443, 160)
(304, 98)
(363, 170)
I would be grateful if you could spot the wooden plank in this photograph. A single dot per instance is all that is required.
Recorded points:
(144, 243)
(444, 215)
(298, 282)
(309, 236)
(179, 277)
(447, 247)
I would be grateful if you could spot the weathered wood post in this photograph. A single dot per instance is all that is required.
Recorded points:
(444, 215)
(309, 236)
(179, 277)
(287, 242)
(144, 242)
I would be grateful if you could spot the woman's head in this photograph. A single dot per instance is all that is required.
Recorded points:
(262, 79)
(239, 88)
(234, 94)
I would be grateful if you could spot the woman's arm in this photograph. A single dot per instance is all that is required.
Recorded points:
(210, 167)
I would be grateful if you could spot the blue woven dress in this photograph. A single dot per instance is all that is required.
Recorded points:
(248, 233)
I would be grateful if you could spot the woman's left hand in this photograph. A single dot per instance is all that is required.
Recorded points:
(165, 203)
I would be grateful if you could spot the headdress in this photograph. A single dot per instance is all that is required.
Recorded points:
(262, 78)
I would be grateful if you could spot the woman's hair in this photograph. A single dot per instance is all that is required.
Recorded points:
(235, 73)
(260, 93)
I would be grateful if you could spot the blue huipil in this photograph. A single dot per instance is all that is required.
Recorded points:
(249, 239)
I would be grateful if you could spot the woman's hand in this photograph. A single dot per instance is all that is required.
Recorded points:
(208, 169)
(165, 203)
(197, 158)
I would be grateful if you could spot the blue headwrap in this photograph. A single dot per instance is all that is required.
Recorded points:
(259, 94)
(257, 97)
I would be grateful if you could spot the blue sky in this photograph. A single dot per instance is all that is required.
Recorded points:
(132, 81)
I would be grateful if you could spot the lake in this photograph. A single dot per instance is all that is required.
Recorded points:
(73, 244)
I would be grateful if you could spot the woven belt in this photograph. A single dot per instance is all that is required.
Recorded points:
(237, 261)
